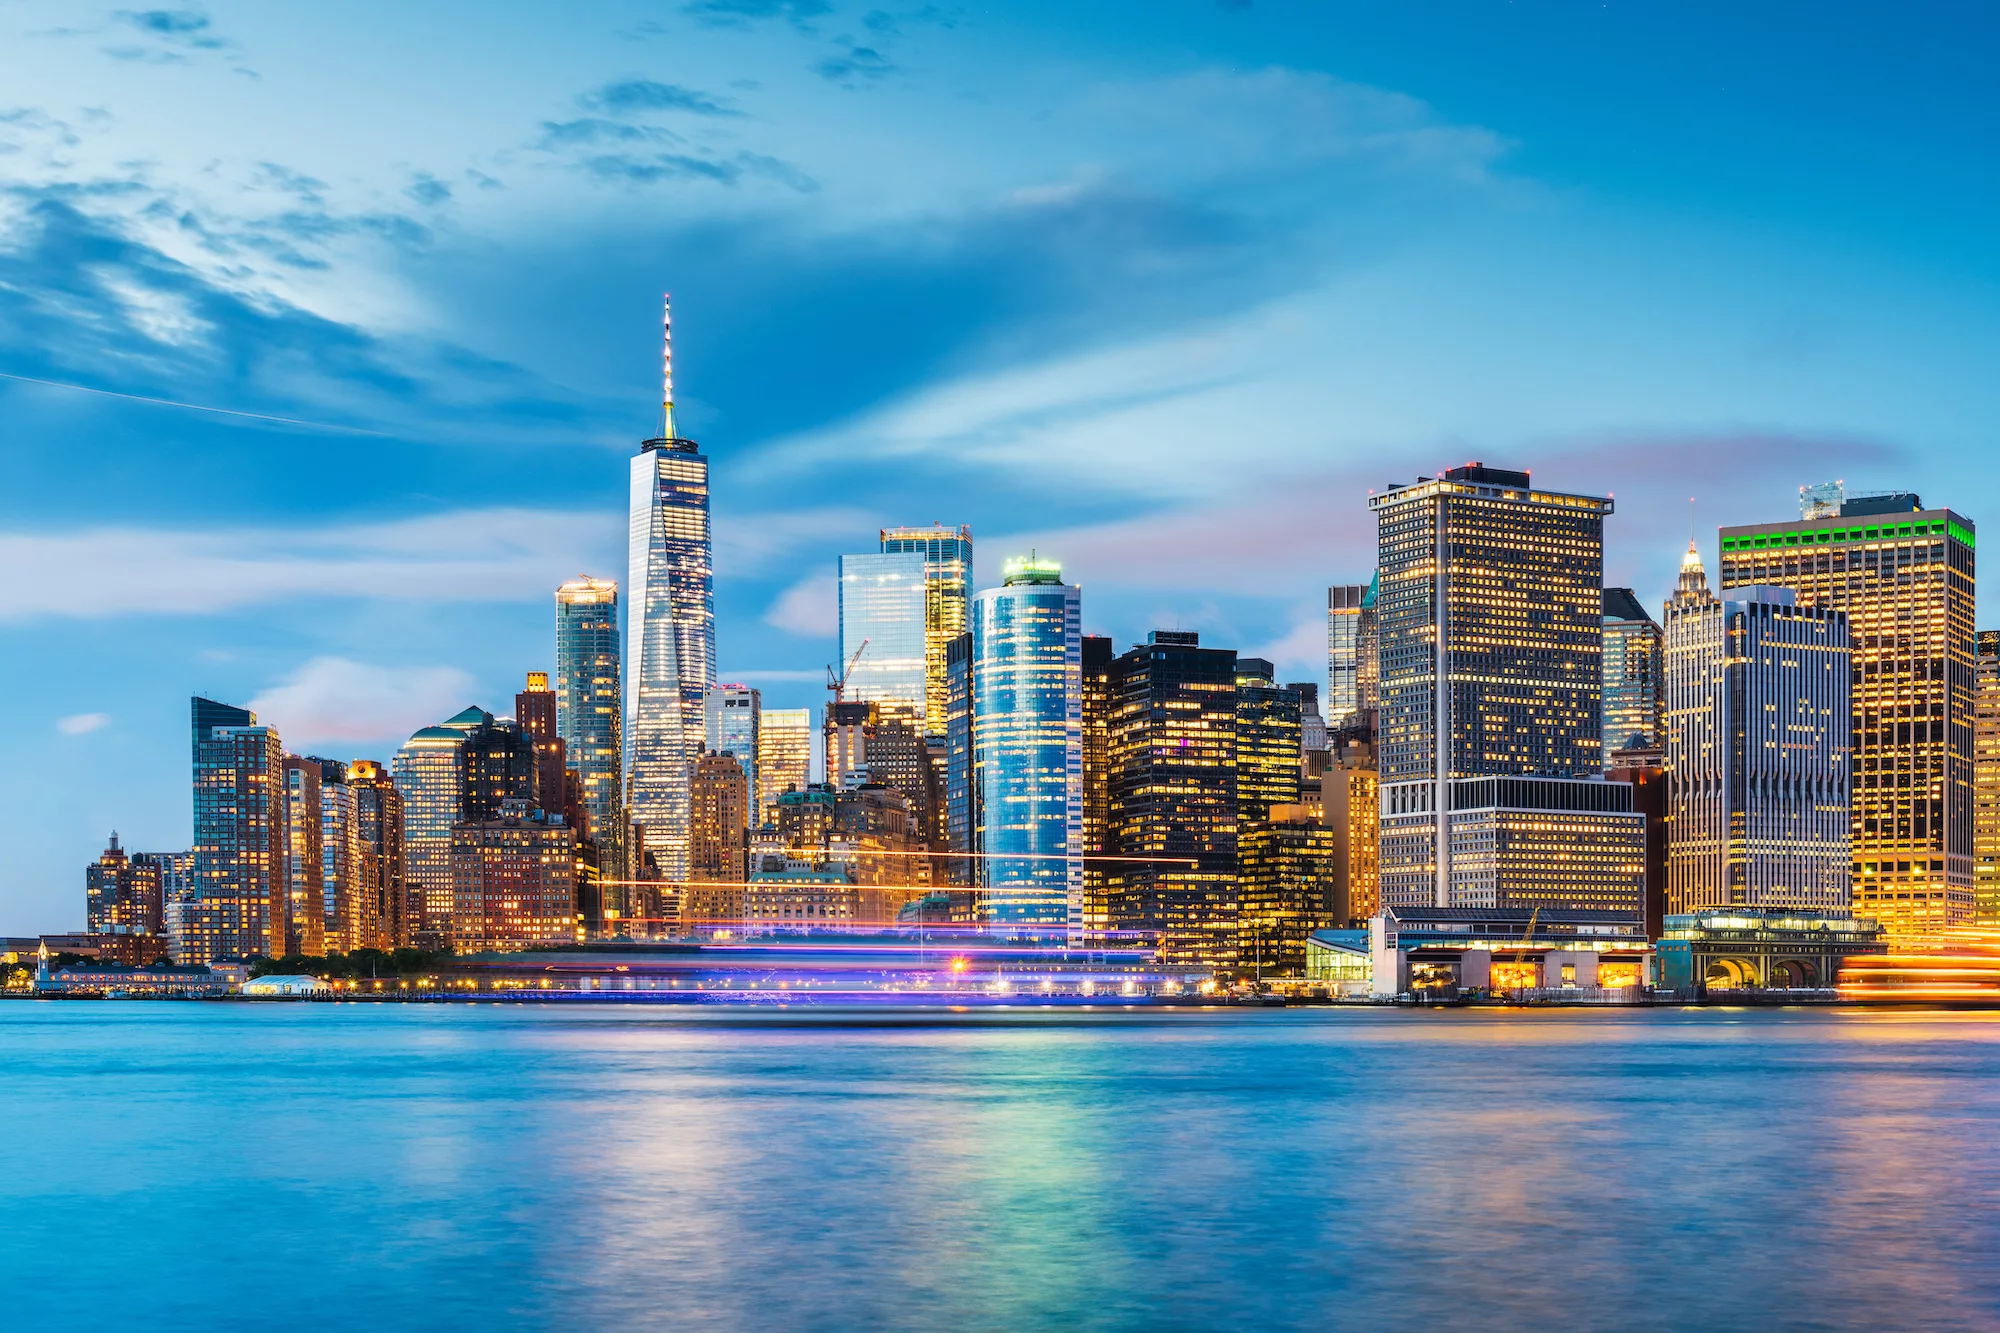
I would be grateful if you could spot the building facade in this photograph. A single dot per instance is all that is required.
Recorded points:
(1756, 754)
(719, 836)
(1351, 674)
(883, 646)
(1904, 576)
(589, 707)
(961, 794)
(1632, 649)
(1027, 739)
(513, 880)
(383, 875)
(305, 861)
(1351, 810)
(784, 754)
(1288, 887)
(239, 839)
(669, 636)
(122, 894)
(947, 554)
(732, 721)
(1097, 657)
(1173, 817)
(1490, 616)
(1986, 778)
(1269, 741)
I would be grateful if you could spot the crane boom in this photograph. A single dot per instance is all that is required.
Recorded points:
(838, 684)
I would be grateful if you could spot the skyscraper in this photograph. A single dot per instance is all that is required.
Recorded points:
(882, 608)
(1173, 816)
(456, 772)
(239, 837)
(383, 875)
(1631, 674)
(536, 714)
(718, 846)
(732, 720)
(122, 895)
(1986, 778)
(513, 874)
(1490, 615)
(348, 877)
(669, 632)
(1098, 701)
(1268, 728)
(1350, 648)
(784, 755)
(588, 705)
(947, 556)
(1288, 886)
(1905, 577)
(961, 804)
(1027, 737)
(305, 861)
(1756, 749)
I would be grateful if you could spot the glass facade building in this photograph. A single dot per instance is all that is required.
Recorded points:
(1351, 675)
(1632, 645)
(1491, 644)
(961, 804)
(784, 755)
(588, 704)
(947, 554)
(239, 837)
(1756, 749)
(305, 868)
(669, 642)
(1904, 576)
(1027, 737)
(882, 606)
(1986, 778)
(1269, 732)
(731, 722)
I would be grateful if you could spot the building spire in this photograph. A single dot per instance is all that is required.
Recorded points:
(667, 366)
(1694, 579)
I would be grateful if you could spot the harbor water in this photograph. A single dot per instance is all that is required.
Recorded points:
(576, 1166)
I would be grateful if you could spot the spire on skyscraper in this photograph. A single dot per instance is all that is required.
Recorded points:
(1694, 579)
(667, 366)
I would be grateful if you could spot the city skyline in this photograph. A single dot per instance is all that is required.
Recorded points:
(1325, 260)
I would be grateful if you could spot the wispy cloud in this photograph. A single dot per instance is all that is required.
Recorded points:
(486, 555)
(626, 96)
(82, 724)
(810, 607)
(335, 699)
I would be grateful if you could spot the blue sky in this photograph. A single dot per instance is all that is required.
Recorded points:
(1159, 289)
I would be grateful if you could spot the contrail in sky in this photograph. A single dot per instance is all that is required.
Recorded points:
(192, 407)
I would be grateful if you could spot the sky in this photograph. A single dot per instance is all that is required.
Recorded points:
(326, 331)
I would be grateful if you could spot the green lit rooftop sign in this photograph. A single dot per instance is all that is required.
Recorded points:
(1826, 536)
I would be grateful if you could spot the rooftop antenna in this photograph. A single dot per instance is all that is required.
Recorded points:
(667, 366)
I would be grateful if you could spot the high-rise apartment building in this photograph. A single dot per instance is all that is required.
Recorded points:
(1027, 742)
(537, 715)
(669, 633)
(589, 706)
(1632, 645)
(1490, 615)
(1904, 575)
(732, 721)
(1268, 741)
(1173, 816)
(122, 895)
(784, 755)
(456, 772)
(382, 877)
(239, 837)
(1756, 749)
(305, 862)
(1352, 675)
(353, 918)
(947, 554)
(719, 837)
(513, 879)
(1986, 778)
(882, 640)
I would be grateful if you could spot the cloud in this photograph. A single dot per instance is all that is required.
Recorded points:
(82, 724)
(855, 65)
(810, 607)
(749, 544)
(334, 699)
(626, 96)
(484, 555)
(734, 13)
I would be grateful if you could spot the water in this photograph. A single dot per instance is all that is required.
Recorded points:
(494, 1166)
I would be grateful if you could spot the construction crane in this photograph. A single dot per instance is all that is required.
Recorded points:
(838, 684)
(1521, 953)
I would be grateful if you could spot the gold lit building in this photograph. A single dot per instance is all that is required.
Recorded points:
(1288, 887)
(1986, 777)
(513, 880)
(1350, 800)
(1490, 614)
(1097, 703)
(1267, 742)
(718, 838)
(1904, 576)
(784, 755)
(947, 554)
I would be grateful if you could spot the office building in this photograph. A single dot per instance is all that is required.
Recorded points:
(719, 836)
(1269, 741)
(239, 837)
(669, 633)
(947, 554)
(1289, 881)
(1351, 811)
(784, 754)
(1352, 674)
(1632, 646)
(1099, 698)
(122, 895)
(1027, 741)
(456, 772)
(1756, 753)
(537, 715)
(382, 873)
(513, 879)
(961, 804)
(1491, 761)
(1904, 576)
(732, 720)
(305, 862)
(1986, 778)
(803, 819)
(589, 707)
(882, 641)
(1173, 817)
